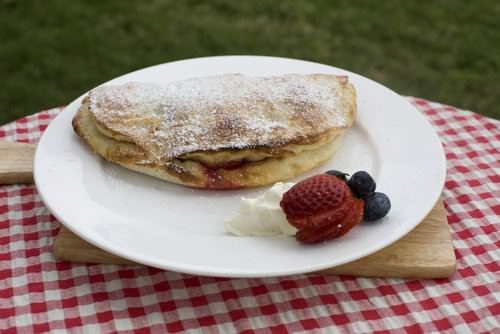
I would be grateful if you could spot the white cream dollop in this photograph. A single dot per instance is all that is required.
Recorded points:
(262, 216)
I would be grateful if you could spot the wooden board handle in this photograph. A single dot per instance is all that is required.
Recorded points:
(16, 162)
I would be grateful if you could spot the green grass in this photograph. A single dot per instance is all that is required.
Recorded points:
(446, 51)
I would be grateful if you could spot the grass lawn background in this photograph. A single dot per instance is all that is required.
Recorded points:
(445, 51)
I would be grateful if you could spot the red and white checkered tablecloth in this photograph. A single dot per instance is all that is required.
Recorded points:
(38, 294)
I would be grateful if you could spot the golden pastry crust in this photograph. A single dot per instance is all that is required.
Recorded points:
(143, 133)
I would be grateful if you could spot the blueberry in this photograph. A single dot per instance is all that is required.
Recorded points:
(339, 174)
(362, 184)
(376, 206)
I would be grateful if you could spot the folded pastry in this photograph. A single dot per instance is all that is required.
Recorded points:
(220, 132)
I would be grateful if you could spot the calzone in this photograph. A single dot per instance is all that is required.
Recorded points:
(219, 132)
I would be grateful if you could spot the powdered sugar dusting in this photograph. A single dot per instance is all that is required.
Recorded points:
(230, 111)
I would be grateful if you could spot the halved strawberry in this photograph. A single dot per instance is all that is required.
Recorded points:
(322, 207)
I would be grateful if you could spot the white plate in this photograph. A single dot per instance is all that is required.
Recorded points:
(172, 227)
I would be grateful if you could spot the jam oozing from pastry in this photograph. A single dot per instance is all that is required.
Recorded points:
(215, 181)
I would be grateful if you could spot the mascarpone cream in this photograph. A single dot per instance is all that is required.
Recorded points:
(262, 216)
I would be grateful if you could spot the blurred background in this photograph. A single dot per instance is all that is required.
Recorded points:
(445, 51)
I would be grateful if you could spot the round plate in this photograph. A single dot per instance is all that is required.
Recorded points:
(168, 226)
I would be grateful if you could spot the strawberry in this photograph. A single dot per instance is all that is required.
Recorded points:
(314, 200)
(318, 205)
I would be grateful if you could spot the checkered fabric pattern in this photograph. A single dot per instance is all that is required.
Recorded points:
(38, 294)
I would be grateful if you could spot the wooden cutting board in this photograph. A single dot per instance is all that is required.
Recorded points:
(425, 252)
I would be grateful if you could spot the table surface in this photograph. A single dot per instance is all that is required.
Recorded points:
(38, 294)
